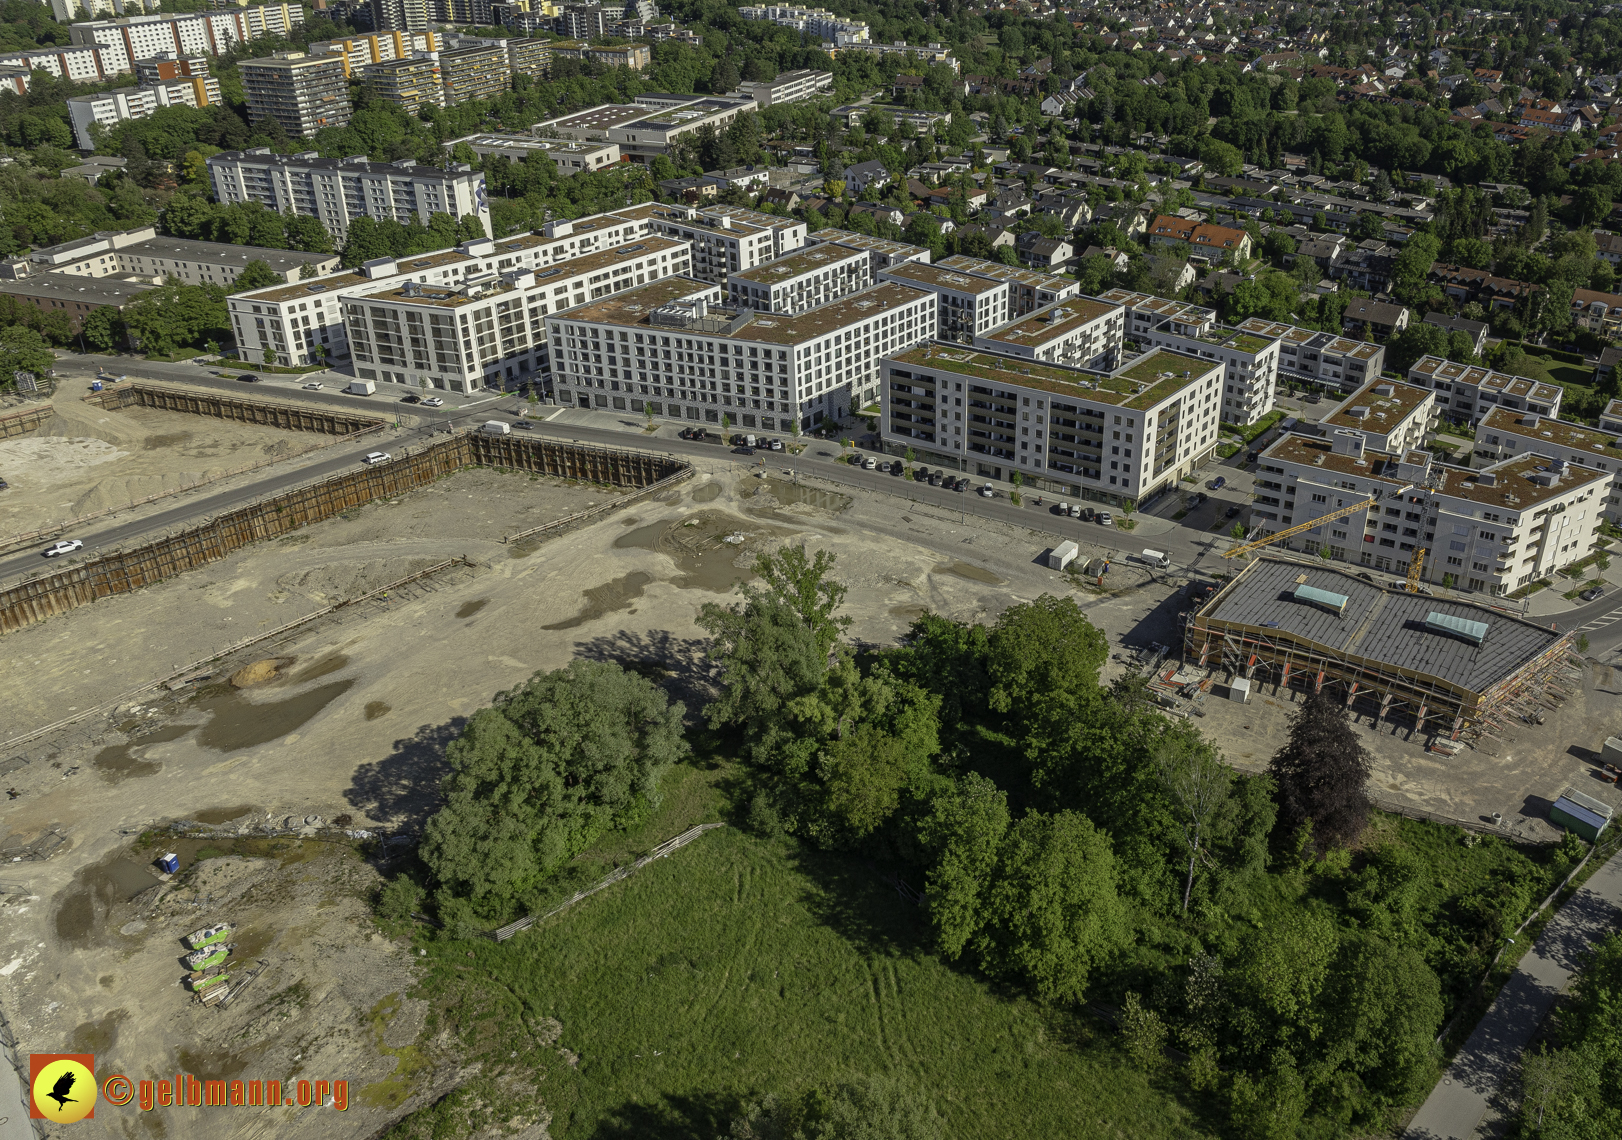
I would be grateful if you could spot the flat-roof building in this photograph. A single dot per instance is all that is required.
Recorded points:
(883, 253)
(1082, 332)
(141, 254)
(800, 280)
(725, 239)
(1250, 360)
(1467, 392)
(1392, 416)
(969, 304)
(406, 83)
(788, 87)
(1028, 290)
(1320, 359)
(569, 157)
(303, 93)
(1503, 432)
(474, 73)
(109, 108)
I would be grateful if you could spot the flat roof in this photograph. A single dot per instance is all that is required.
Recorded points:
(404, 168)
(677, 215)
(1053, 322)
(1315, 451)
(1123, 388)
(799, 263)
(1385, 411)
(1149, 303)
(1381, 624)
(54, 286)
(940, 275)
(598, 118)
(869, 242)
(1437, 368)
(1514, 486)
(1003, 272)
(1327, 342)
(1558, 433)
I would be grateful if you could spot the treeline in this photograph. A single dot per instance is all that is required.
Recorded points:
(1569, 1083)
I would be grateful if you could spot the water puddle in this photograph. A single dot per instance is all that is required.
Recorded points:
(159, 442)
(631, 521)
(223, 815)
(708, 493)
(607, 598)
(699, 548)
(908, 613)
(239, 723)
(95, 891)
(97, 1036)
(322, 668)
(375, 709)
(126, 761)
(972, 573)
(216, 1064)
(468, 609)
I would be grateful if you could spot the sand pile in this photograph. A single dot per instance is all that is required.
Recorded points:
(335, 581)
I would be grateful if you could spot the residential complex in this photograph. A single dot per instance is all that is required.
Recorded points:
(1467, 392)
(474, 73)
(1114, 436)
(725, 239)
(1250, 360)
(814, 21)
(338, 190)
(1503, 433)
(124, 41)
(804, 279)
(1028, 290)
(968, 303)
(1321, 359)
(109, 108)
(1391, 416)
(1081, 333)
(304, 93)
(383, 47)
(882, 253)
(407, 83)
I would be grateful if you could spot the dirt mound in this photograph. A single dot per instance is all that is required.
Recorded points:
(259, 672)
(338, 581)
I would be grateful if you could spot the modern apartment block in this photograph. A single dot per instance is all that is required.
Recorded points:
(337, 191)
(817, 21)
(1469, 391)
(882, 252)
(968, 304)
(109, 108)
(788, 87)
(668, 346)
(1503, 433)
(1079, 333)
(407, 83)
(141, 253)
(799, 281)
(633, 56)
(132, 38)
(167, 67)
(474, 73)
(304, 93)
(83, 63)
(1320, 359)
(361, 52)
(725, 239)
(1111, 436)
(402, 15)
(1392, 417)
(1028, 290)
(529, 57)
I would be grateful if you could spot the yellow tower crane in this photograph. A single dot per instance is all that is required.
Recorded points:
(1414, 567)
(1339, 512)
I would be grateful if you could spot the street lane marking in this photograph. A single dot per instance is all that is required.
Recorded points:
(1602, 622)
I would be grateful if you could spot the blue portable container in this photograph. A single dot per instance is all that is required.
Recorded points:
(170, 863)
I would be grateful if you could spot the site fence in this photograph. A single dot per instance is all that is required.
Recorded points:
(265, 413)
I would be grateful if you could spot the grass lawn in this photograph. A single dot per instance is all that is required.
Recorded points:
(740, 965)
(1252, 431)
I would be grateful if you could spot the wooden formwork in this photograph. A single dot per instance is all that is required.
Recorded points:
(127, 571)
(23, 422)
(291, 417)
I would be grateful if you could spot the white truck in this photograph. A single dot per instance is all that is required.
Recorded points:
(1062, 555)
(361, 387)
(496, 427)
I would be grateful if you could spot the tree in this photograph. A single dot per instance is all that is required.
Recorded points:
(1418, 340)
(270, 356)
(1320, 774)
(256, 275)
(1411, 270)
(767, 655)
(23, 350)
(1143, 1034)
(803, 584)
(103, 328)
(1198, 783)
(868, 1107)
(541, 773)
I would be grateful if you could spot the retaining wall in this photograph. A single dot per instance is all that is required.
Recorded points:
(292, 417)
(25, 421)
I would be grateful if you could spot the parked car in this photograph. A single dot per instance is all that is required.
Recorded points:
(1074, 510)
(961, 484)
(430, 402)
(1200, 498)
(869, 463)
(1253, 456)
(248, 378)
(375, 457)
(1218, 483)
(777, 445)
(66, 546)
(935, 479)
(1231, 512)
(313, 386)
(1314, 398)
(1104, 518)
(1592, 593)
(1087, 514)
(988, 492)
(742, 449)
(921, 475)
(411, 399)
(895, 468)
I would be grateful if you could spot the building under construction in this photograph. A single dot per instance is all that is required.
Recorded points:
(1443, 666)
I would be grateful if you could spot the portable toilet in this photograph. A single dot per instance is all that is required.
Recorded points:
(169, 864)
(1583, 815)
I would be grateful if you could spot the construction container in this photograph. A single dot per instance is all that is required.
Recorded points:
(1240, 690)
(1611, 751)
(1062, 555)
(1582, 815)
(169, 864)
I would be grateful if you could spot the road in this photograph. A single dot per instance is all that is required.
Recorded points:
(1488, 1065)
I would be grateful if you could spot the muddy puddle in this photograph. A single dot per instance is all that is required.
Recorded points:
(468, 609)
(322, 668)
(908, 613)
(193, 849)
(699, 548)
(223, 815)
(97, 1036)
(94, 892)
(607, 598)
(240, 723)
(708, 493)
(216, 1064)
(375, 709)
(972, 573)
(792, 494)
(128, 761)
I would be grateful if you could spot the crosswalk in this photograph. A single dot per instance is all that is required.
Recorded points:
(1603, 621)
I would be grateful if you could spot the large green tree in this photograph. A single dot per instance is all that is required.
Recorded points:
(1321, 773)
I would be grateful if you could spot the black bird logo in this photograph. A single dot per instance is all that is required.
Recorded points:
(59, 1091)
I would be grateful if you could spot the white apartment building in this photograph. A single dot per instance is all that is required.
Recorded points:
(337, 190)
(1113, 436)
(800, 280)
(82, 63)
(109, 108)
(1028, 290)
(968, 304)
(1320, 359)
(568, 157)
(1469, 392)
(1392, 417)
(141, 253)
(667, 347)
(725, 239)
(1503, 433)
(198, 33)
(817, 21)
(788, 87)
(884, 253)
(1078, 333)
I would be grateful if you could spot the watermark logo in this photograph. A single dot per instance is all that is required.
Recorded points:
(62, 1087)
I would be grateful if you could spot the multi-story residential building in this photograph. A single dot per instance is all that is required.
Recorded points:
(1319, 359)
(816, 21)
(882, 253)
(1600, 312)
(1503, 433)
(1079, 333)
(1028, 290)
(194, 33)
(109, 108)
(84, 63)
(336, 191)
(1393, 417)
(1469, 392)
(529, 57)
(634, 56)
(804, 279)
(1205, 238)
(668, 347)
(167, 67)
(407, 83)
(474, 73)
(381, 47)
(788, 87)
(968, 304)
(580, 21)
(568, 157)
(401, 15)
(141, 254)
(725, 239)
(1114, 436)
(303, 93)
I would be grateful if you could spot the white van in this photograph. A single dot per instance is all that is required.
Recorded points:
(1156, 559)
(496, 427)
(749, 441)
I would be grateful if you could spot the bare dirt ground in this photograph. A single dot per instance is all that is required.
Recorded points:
(352, 719)
(87, 459)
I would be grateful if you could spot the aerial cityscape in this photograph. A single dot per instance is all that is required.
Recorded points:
(498, 648)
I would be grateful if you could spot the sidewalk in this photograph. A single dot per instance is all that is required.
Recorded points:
(1475, 1092)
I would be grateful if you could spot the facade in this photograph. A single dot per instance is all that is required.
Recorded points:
(406, 83)
(83, 63)
(141, 253)
(529, 57)
(131, 38)
(1028, 289)
(788, 87)
(1080, 333)
(1392, 417)
(1319, 359)
(474, 73)
(1503, 433)
(816, 21)
(1113, 436)
(303, 93)
(725, 239)
(401, 15)
(882, 253)
(1203, 236)
(381, 47)
(167, 66)
(336, 191)
(802, 280)
(687, 359)
(634, 56)
(1469, 392)
(72, 295)
(968, 305)
(109, 108)
(568, 157)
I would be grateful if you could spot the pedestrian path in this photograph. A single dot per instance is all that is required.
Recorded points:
(1474, 1091)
